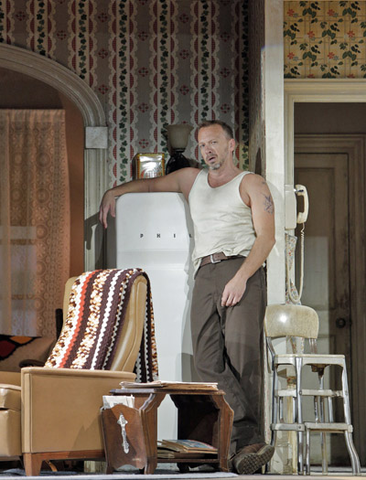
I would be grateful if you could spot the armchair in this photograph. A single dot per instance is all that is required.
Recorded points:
(54, 413)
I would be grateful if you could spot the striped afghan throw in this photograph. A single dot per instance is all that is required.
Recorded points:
(97, 308)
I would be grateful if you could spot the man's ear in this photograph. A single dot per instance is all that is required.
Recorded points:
(232, 145)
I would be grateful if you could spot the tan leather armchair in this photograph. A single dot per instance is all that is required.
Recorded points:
(54, 413)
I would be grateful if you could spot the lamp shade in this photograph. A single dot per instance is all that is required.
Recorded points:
(178, 135)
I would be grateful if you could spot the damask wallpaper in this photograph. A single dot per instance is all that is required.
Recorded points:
(325, 39)
(151, 62)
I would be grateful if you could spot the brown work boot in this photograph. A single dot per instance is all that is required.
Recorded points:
(250, 458)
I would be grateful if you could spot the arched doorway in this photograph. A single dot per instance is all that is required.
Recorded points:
(76, 90)
(18, 92)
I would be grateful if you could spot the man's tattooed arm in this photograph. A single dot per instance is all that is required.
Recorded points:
(268, 204)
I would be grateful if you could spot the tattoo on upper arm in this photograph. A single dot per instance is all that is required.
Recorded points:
(268, 203)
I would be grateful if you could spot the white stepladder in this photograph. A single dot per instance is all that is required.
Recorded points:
(302, 322)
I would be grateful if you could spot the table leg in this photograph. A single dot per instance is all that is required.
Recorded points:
(226, 416)
(149, 417)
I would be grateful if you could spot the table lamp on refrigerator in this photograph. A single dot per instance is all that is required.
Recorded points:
(177, 136)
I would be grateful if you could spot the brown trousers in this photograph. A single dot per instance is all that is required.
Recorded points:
(227, 344)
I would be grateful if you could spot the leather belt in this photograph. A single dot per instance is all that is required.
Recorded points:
(217, 258)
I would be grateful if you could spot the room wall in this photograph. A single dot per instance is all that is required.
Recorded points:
(151, 63)
(20, 91)
(256, 110)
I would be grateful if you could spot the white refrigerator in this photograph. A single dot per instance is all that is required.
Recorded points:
(154, 232)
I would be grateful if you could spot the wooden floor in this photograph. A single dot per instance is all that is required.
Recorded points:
(169, 472)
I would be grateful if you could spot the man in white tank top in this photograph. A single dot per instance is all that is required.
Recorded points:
(233, 216)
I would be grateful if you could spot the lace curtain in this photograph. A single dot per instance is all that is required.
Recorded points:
(35, 220)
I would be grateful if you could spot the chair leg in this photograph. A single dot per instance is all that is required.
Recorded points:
(274, 399)
(324, 453)
(32, 464)
(355, 461)
(307, 452)
(323, 441)
(273, 438)
(300, 453)
(300, 440)
(273, 443)
(274, 409)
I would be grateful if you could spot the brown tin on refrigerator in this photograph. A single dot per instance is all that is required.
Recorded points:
(148, 165)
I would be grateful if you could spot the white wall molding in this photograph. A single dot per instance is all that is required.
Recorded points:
(273, 100)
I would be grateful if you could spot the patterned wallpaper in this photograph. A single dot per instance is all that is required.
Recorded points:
(151, 62)
(256, 118)
(325, 39)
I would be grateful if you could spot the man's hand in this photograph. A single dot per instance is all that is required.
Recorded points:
(233, 292)
(107, 205)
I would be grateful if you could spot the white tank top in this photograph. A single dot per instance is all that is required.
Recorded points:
(222, 221)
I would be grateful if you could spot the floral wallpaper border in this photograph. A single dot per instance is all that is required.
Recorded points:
(325, 39)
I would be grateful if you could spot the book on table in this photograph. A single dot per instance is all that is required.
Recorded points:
(173, 448)
(169, 384)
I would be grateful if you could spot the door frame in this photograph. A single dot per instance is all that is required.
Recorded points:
(340, 91)
(95, 147)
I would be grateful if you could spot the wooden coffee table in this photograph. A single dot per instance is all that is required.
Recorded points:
(130, 433)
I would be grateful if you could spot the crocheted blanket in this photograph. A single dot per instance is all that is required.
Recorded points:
(97, 308)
